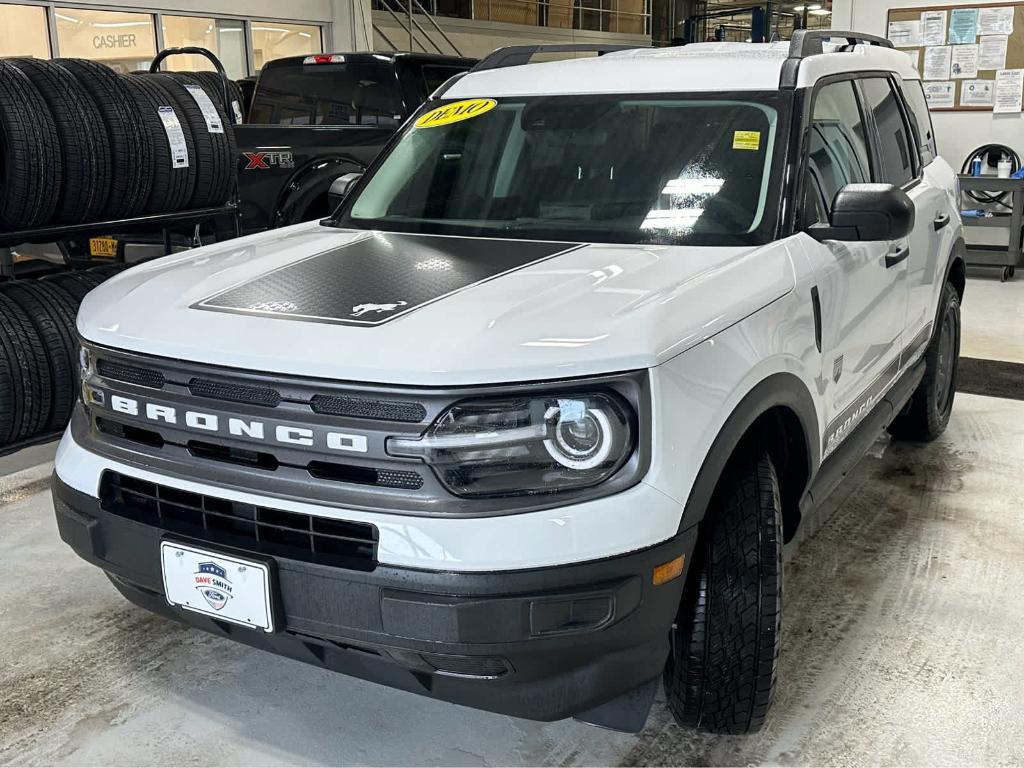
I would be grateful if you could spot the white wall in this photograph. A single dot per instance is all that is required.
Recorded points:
(958, 132)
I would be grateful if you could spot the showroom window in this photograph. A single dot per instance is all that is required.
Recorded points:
(23, 31)
(124, 41)
(224, 37)
(128, 40)
(272, 40)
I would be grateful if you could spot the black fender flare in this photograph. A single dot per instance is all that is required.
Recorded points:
(957, 253)
(307, 184)
(779, 389)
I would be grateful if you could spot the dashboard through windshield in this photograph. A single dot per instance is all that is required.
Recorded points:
(672, 170)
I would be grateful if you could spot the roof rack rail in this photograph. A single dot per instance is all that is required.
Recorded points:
(810, 42)
(517, 55)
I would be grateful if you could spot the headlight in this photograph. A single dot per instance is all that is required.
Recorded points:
(523, 446)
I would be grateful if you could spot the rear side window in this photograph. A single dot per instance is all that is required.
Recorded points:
(838, 149)
(914, 93)
(897, 148)
(436, 76)
(352, 93)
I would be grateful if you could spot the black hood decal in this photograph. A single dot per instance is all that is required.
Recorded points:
(379, 277)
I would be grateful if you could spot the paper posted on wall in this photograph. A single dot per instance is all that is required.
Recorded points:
(940, 95)
(933, 27)
(977, 93)
(993, 52)
(965, 61)
(937, 62)
(963, 26)
(995, 21)
(905, 34)
(1009, 91)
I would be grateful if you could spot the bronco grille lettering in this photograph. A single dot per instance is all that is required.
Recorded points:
(202, 421)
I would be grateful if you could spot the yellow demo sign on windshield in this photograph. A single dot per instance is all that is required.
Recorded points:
(455, 112)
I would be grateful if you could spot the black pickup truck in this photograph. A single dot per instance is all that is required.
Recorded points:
(315, 118)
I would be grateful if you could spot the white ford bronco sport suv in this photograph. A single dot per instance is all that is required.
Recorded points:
(526, 423)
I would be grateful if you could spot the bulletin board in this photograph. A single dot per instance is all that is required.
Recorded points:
(958, 51)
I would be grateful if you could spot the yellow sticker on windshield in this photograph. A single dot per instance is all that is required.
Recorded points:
(455, 112)
(750, 140)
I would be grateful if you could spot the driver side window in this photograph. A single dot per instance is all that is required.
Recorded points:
(838, 151)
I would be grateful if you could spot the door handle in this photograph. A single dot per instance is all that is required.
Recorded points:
(896, 256)
(941, 221)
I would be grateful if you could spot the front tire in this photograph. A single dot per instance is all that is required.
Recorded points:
(927, 414)
(721, 672)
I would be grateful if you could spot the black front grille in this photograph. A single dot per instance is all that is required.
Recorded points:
(246, 526)
(402, 479)
(364, 408)
(128, 432)
(234, 392)
(130, 374)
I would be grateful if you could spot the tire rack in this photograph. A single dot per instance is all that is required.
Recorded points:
(160, 221)
(148, 223)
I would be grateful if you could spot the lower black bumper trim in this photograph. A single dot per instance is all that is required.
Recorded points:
(542, 644)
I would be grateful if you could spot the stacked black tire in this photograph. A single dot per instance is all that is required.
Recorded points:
(81, 143)
(39, 352)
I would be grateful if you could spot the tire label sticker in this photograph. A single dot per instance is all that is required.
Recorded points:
(455, 112)
(205, 104)
(175, 137)
(238, 112)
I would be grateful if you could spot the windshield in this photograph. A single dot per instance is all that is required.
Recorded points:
(351, 93)
(662, 170)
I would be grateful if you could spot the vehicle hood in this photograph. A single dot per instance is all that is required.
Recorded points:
(411, 309)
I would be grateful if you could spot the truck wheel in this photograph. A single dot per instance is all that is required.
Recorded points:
(926, 415)
(720, 674)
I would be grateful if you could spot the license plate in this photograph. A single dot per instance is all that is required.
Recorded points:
(223, 586)
(103, 246)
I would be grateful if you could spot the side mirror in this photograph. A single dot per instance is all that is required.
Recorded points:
(340, 187)
(867, 212)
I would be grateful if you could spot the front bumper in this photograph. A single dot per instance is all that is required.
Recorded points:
(544, 644)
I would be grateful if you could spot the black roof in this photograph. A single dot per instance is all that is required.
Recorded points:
(369, 56)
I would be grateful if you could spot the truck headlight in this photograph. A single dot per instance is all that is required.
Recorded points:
(521, 446)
